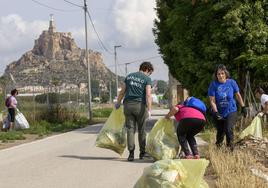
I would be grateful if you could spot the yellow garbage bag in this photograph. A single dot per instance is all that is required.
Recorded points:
(162, 142)
(113, 135)
(254, 129)
(178, 173)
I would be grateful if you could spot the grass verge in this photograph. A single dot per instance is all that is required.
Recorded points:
(44, 128)
(230, 169)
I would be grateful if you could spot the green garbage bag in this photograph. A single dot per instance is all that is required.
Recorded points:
(254, 129)
(178, 173)
(162, 142)
(113, 135)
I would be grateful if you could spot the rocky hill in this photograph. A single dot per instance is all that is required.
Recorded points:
(55, 56)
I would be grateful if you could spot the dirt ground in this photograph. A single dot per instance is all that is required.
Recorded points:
(28, 138)
(210, 179)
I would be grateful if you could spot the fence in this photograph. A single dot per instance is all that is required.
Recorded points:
(53, 106)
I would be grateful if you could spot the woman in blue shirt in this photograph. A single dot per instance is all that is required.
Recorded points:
(222, 93)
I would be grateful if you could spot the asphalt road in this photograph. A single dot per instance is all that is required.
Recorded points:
(68, 160)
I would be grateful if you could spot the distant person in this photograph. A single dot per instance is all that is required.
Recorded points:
(191, 121)
(259, 93)
(222, 93)
(11, 104)
(137, 106)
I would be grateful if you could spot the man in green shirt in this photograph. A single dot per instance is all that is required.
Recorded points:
(137, 106)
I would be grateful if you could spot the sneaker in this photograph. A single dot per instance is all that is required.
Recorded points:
(197, 157)
(231, 147)
(131, 156)
(144, 154)
(188, 157)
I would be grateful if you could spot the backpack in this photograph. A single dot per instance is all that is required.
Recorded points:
(8, 102)
(195, 103)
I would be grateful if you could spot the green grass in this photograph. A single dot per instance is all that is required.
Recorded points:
(102, 112)
(207, 135)
(58, 118)
(11, 135)
(44, 128)
(39, 128)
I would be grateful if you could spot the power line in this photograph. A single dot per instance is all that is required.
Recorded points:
(136, 61)
(98, 36)
(106, 10)
(139, 60)
(73, 4)
(93, 26)
(111, 10)
(121, 71)
(57, 9)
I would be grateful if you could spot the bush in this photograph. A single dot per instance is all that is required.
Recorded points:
(40, 128)
(45, 128)
(102, 112)
(105, 98)
(11, 135)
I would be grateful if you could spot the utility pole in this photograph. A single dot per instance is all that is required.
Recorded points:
(126, 64)
(88, 66)
(110, 92)
(34, 104)
(116, 79)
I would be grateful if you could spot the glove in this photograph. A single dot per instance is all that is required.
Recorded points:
(149, 115)
(261, 114)
(218, 116)
(166, 116)
(244, 111)
(117, 105)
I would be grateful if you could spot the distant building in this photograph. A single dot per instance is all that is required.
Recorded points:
(31, 89)
(176, 92)
(52, 27)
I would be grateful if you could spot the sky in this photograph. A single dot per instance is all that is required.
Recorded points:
(127, 23)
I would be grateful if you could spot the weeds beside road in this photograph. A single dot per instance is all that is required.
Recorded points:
(231, 169)
(67, 121)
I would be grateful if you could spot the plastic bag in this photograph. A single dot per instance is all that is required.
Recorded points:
(178, 173)
(6, 124)
(254, 129)
(113, 135)
(162, 142)
(20, 121)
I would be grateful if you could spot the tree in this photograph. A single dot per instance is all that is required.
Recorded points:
(95, 88)
(194, 39)
(3, 84)
(162, 86)
(104, 98)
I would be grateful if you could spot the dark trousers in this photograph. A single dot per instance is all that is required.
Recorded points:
(225, 127)
(11, 114)
(186, 131)
(135, 114)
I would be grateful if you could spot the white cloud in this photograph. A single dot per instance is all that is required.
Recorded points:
(79, 35)
(134, 19)
(17, 34)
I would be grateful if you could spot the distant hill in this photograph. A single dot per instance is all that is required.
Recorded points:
(55, 56)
